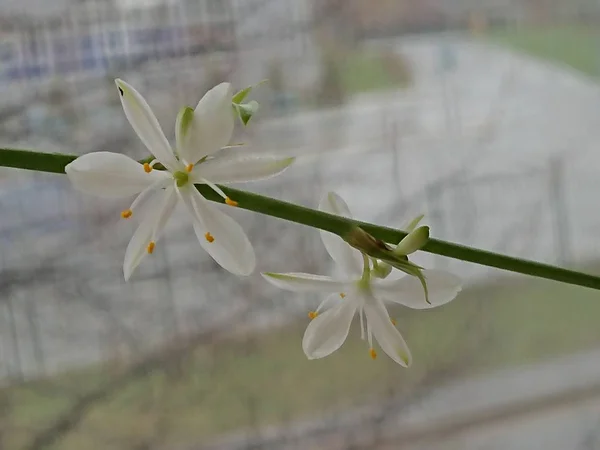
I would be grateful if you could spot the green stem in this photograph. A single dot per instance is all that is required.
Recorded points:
(55, 163)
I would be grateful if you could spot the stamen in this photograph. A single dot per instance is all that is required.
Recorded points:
(342, 295)
(126, 214)
(147, 168)
(151, 246)
(362, 325)
(373, 353)
(214, 187)
(189, 168)
(394, 322)
(209, 237)
(230, 202)
(312, 314)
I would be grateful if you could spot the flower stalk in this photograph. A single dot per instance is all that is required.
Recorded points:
(56, 162)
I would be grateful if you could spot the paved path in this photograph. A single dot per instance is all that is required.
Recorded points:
(553, 405)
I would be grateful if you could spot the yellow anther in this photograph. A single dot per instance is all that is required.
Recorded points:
(209, 237)
(151, 246)
(312, 315)
(373, 353)
(230, 202)
(147, 168)
(126, 214)
(189, 168)
(393, 322)
(342, 295)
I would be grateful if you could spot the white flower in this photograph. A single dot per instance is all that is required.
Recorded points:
(360, 292)
(200, 133)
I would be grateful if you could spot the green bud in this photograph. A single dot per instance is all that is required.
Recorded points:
(381, 270)
(415, 240)
(245, 111)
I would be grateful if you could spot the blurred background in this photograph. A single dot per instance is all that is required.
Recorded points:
(482, 115)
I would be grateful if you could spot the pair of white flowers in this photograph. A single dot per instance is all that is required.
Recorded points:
(202, 156)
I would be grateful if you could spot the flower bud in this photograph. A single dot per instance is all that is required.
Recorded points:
(413, 241)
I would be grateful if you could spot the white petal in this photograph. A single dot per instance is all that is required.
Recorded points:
(328, 331)
(149, 229)
(230, 246)
(237, 166)
(169, 202)
(384, 331)
(110, 175)
(211, 127)
(306, 282)
(408, 291)
(348, 258)
(144, 122)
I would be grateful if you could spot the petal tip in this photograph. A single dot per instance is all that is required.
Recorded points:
(269, 275)
(287, 162)
(245, 272)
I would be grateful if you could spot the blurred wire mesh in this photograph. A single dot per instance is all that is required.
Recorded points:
(401, 107)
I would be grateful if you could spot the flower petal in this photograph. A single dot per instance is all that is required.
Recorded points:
(148, 230)
(221, 236)
(110, 175)
(211, 126)
(145, 124)
(306, 282)
(348, 258)
(237, 166)
(386, 334)
(408, 291)
(328, 331)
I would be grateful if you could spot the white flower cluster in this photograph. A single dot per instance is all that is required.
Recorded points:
(202, 156)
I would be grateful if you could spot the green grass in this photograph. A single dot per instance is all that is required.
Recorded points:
(364, 72)
(574, 45)
(229, 385)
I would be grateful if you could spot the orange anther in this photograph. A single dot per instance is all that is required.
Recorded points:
(230, 202)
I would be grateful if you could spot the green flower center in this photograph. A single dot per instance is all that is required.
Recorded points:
(181, 178)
